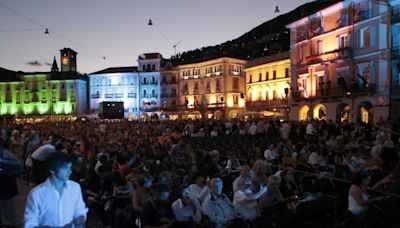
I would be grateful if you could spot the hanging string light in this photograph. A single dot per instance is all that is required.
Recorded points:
(277, 7)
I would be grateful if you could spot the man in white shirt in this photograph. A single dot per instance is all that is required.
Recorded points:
(57, 202)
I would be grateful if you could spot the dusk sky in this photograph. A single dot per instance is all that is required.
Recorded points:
(118, 30)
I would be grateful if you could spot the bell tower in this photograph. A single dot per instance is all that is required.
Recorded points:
(68, 60)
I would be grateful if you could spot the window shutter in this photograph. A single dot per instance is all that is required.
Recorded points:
(372, 34)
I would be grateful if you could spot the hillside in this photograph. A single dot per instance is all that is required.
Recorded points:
(269, 38)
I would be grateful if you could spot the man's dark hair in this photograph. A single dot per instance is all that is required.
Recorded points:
(57, 159)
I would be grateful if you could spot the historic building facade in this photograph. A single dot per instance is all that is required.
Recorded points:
(340, 63)
(169, 93)
(149, 65)
(268, 85)
(45, 93)
(395, 64)
(212, 89)
(116, 84)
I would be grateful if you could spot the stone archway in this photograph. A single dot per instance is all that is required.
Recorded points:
(343, 113)
(233, 114)
(319, 112)
(365, 112)
(218, 115)
(303, 113)
(209, 115)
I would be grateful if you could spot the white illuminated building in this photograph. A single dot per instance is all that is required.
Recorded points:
(116, 84)
(149, 83)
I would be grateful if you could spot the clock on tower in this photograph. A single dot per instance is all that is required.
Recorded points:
(68, 60)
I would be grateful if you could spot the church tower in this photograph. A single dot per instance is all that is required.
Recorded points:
(54, 67)
(68, 60)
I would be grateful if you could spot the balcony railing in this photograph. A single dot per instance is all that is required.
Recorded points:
(149, 95)
(326, 93)
(329, 56)
(109, 95)
(266, 103)
(131, 95)
(363, 15)
(118, 95)
(95, 96)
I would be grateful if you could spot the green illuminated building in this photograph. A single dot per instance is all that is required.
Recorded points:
(44, 93)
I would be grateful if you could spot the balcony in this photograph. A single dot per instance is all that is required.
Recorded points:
(329, 56)
(149, 95)
(363, 15)
(335, 92)
(131, 95)
(261, 105)
(43, 100)
(109, 95)
(118, 95)
(95, 96)
(73, 98)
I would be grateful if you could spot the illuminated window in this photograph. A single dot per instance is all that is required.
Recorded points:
(235, 99)
(287, 73)
(320, 47)
(235, 83)
(343, 41)
(217, 87)
(367, 37)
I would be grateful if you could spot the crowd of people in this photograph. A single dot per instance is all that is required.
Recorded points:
(198, 173)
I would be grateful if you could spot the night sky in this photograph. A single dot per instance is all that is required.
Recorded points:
(118, 30)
